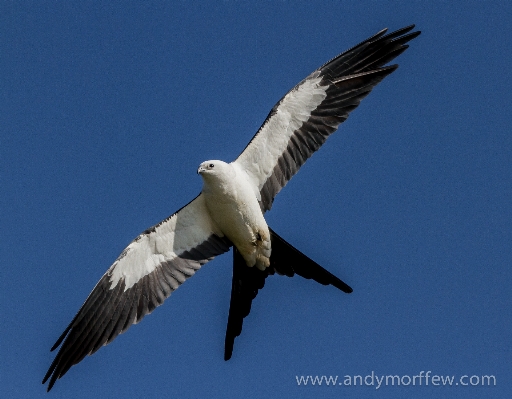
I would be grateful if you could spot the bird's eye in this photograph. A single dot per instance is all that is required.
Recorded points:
(211, 165)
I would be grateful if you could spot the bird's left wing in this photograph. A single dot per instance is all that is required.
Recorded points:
(155, 264)
(303, 119)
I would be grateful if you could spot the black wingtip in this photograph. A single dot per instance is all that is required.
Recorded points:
(50, 385)
(55, 346)
(403, 30)
(52, 382)
(48, 374)
(410, 36)
(399, 32)
(63, 335)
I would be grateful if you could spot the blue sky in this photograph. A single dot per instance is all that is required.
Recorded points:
(106, 112)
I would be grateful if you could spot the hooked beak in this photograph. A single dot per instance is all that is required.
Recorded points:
(200, 170)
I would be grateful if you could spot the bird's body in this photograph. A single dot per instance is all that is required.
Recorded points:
(233, 205)
(229, 211)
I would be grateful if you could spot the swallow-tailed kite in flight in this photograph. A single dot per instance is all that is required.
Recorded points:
(229, 210)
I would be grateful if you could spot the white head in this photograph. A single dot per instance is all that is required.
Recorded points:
(215, 170)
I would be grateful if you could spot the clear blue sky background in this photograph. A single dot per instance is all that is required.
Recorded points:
(106, 112)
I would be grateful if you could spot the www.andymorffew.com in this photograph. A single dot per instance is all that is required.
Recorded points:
(423, 378)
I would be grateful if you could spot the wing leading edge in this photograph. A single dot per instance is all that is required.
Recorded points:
(155, 264)
(308, 114)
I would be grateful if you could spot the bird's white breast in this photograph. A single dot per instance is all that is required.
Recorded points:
(233, 205)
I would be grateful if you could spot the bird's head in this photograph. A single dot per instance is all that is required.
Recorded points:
(212, 169)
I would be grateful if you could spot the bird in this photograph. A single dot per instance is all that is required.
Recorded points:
(229, 211)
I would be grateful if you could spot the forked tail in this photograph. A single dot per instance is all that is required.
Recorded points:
(285, 260)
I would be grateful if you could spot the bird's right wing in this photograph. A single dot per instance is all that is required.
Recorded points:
(247, 281)
(155, 264)
(309, 113)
